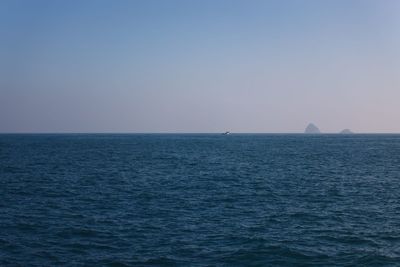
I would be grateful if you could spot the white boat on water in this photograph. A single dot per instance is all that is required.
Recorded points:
(227, 133)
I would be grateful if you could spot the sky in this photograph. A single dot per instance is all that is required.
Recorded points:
(199, 66)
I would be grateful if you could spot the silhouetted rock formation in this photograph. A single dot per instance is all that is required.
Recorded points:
(346, 131)
(312, 129)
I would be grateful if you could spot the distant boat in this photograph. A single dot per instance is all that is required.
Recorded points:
(227, 133)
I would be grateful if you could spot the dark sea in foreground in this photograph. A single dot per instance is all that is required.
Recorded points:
(199, 200)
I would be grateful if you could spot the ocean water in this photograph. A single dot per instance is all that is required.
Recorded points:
(199, 200)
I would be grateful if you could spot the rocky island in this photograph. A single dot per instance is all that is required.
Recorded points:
(312, 129)
(346, 131)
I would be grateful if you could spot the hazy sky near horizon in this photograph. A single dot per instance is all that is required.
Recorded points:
(199, 66)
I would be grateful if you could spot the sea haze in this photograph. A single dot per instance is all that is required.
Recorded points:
(199, 200)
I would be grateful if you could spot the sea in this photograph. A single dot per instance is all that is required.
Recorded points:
(199, 200)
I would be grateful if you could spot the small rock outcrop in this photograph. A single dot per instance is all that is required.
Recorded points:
(312, 129)
(346, 131)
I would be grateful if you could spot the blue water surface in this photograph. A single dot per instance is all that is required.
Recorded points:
(199, 200)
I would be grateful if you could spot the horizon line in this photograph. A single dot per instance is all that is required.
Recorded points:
(277, 133)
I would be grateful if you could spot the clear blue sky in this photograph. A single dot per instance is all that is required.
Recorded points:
(199, 66)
